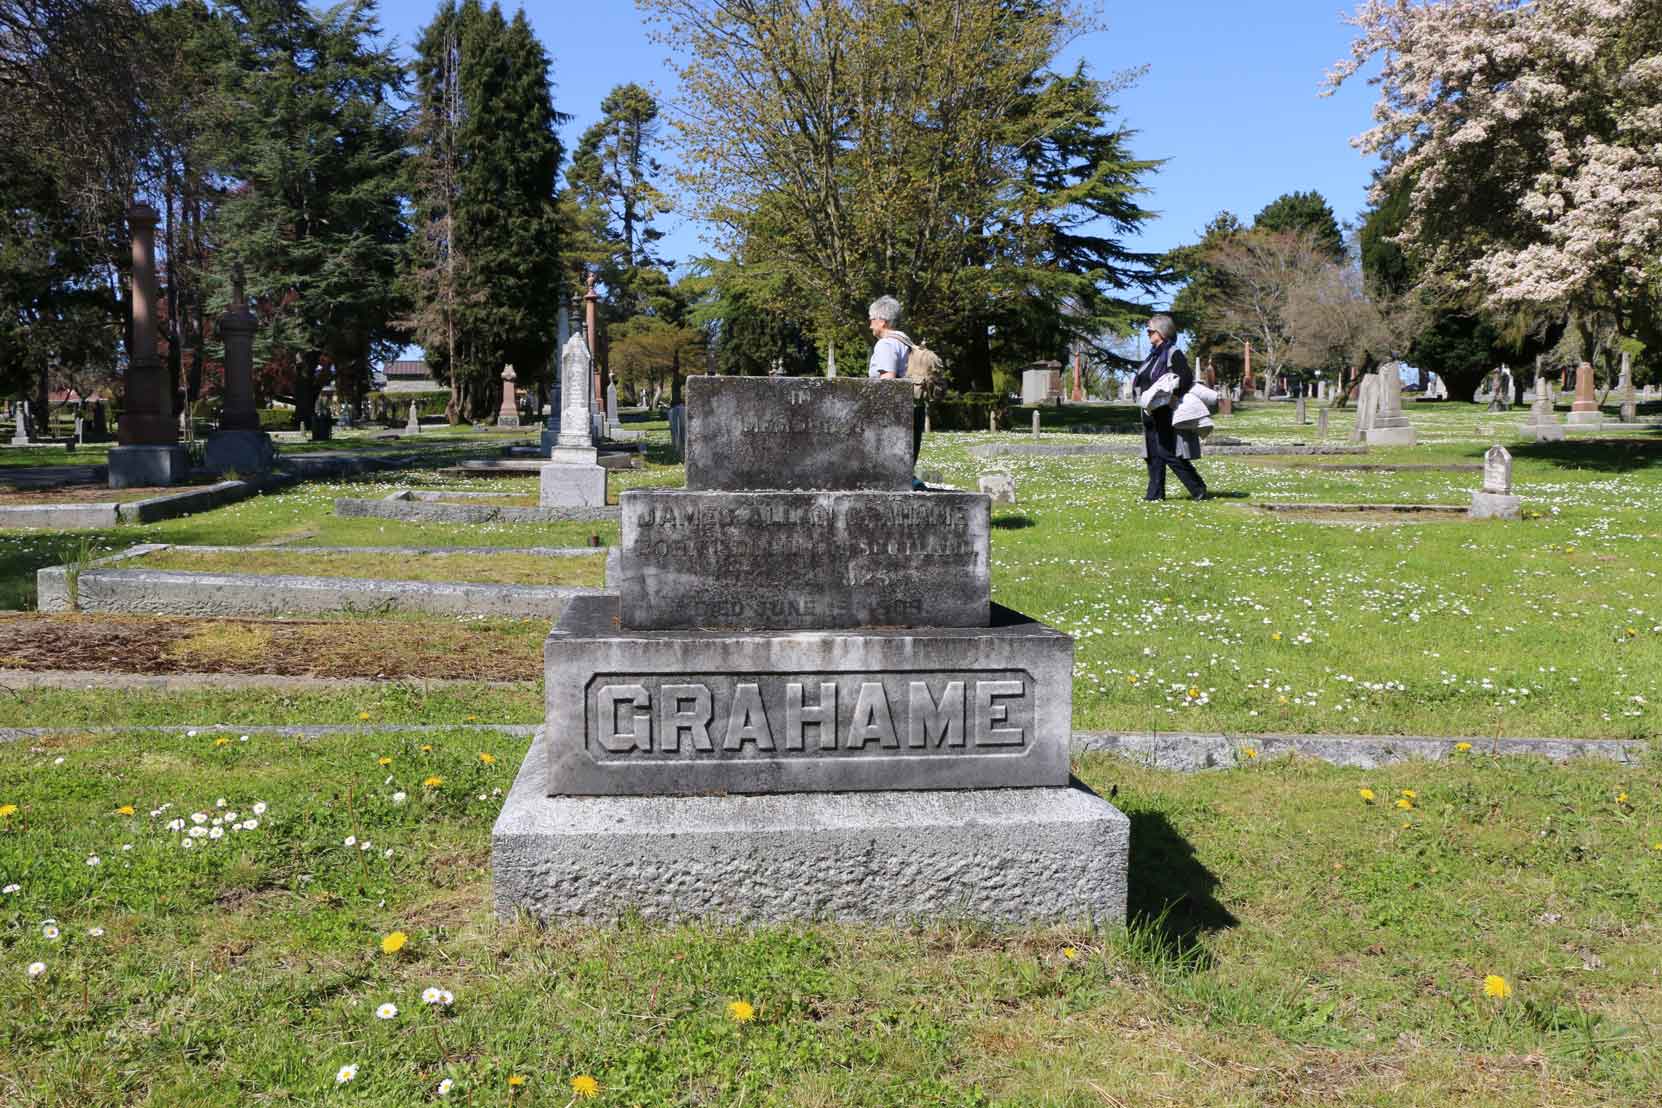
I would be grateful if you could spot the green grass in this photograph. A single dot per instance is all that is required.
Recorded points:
(495, 569)
(1289, 943)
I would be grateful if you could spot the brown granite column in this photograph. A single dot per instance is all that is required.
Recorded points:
(1584, 412)
(146, 417)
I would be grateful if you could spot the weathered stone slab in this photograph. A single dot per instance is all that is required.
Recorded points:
(1009, 856)
(798, 433)
(678, 713)
(756, 560)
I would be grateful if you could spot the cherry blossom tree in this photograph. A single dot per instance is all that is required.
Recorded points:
(1529, 133)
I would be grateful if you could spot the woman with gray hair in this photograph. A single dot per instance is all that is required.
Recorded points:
(1162, 444)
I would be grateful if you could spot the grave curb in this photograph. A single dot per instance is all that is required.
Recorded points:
(1188, 752)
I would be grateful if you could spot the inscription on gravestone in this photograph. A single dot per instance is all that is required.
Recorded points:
(647, 717)
(803, 560)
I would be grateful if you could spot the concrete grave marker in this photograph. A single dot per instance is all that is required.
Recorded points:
(573, 476)
(1495, 500)
(1000, 487)
(800, 703)
(1389, 426)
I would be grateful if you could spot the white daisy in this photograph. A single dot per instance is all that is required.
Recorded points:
(12, 888)
(345, 1074)
(445, 1086)
(259, 807)
(351, 840)
(36, 968)
(387, 1011)
(50, 932)
(94, 860)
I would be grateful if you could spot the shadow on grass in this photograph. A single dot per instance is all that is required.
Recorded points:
(1014, 522)
(1171, 901)
(659, 453)
(1228, 494)
(1603, 455)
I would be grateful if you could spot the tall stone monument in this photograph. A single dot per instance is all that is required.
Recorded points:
(613, 424)
(1495, 499)
(238, 444)
(412, 425)
(508, 414)
(1301, 410)
(573, 475)
(1390, 427)
(148, 452)
(20, 423)
(1630, 399)
(1367, 406)
(801, 703)
(1584, 410)
(1541, 424)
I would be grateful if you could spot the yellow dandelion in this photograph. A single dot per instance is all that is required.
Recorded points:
(427, 748)
(1131, 679)
(363, 715)
(472, 719)
(1656, 846)
(515, 1080)
(1631, 632)
(1461, 748)
(393, 942)
(1069, 953)
(223, 740)
(488, 759)
(1194, 693)
(432, 782)
(584, 1087)
(1496, 986)
(1281, 699)
(383, 761)
(7, 811)
(1404, 803)
(124, 810)
(1249, 752)
(1366, 795)
(1275, 636)
(740, 1011)
(1410, 794)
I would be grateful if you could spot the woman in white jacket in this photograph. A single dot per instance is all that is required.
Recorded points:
(1162, 445)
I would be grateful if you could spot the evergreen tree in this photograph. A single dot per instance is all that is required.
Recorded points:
(1306, 212)
(613, 200)
(315, 153)
(483, 268)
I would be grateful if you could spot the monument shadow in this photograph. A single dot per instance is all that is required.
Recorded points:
(1605, 456)
(1171, 893)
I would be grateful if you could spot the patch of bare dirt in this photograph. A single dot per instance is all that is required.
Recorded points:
(501, 651)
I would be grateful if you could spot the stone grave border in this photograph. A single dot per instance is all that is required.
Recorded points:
(426, 506)
(99, 514)
(1168, 751)
(1366, 509)
(1001, 449)
(104, 586)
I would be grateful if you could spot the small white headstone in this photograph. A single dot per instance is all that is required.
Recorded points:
(1497, 470)
(1000, 486)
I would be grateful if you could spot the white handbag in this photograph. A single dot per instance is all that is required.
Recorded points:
(1208, 396)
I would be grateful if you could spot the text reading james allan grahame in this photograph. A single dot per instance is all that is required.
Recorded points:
(652, 717)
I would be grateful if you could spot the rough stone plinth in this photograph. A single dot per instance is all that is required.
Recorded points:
(137, 467)
(798, 433)
(1495, 505)
(573, 477)
(754, 560)
(1585, 419)
(1009, 856)
(1544, 432)
(678, 713)
(246, 452)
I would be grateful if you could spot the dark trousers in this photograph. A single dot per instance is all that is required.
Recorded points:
(917, 430)
(1162, 452)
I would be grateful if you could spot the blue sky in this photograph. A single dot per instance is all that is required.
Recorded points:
(1230, 98)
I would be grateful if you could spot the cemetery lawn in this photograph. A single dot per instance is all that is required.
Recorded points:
(493, 569)
(474, 648)
(1290, 943)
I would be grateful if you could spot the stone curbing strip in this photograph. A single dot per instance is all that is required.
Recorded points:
(1045, 449)
(402, 506)
(80, 680)
(1186, 752)
(1180, 752)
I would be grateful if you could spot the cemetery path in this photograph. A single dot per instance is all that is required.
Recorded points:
(496, 651)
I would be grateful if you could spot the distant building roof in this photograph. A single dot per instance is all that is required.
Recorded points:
(411, 370)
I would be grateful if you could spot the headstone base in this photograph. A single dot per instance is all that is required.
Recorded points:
(1391, 436)
(1495, 505)
(547, 441)
(137, 467)
(247, 452)
(1584, 419)
(572, 479)
(1009, 856)
(1545, 432)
